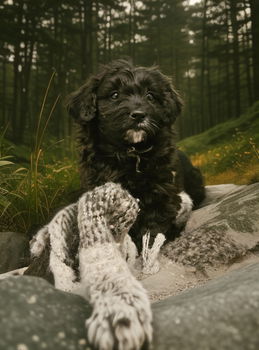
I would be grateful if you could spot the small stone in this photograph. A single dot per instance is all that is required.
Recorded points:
(177, 321)
(82, 342)
(22, 347)
(32, 299)
(61, 335)
(35, 338)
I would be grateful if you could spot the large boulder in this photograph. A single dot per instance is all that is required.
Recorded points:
(223, 314)
(224, 229)
(14, 251)
(34, 315)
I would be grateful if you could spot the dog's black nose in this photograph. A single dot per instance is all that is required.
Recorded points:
(137, 115)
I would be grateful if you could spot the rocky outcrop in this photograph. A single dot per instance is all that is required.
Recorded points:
(222, 231)
(223, 314)
(34, 315)
(14, 248)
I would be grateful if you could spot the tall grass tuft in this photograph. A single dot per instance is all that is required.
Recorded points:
(28, 195)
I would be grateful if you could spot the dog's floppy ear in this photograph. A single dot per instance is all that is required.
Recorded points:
(173, 103)
(81, 104)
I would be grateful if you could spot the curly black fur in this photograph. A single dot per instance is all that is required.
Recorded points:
(125, 116)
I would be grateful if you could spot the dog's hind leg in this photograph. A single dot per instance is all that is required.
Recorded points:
(121, 317)
(192, 179)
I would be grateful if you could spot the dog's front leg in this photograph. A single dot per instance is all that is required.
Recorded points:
(121, 317)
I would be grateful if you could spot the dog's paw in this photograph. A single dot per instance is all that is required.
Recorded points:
(185, 210)
(121, 322)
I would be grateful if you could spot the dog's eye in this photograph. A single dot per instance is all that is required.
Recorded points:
(150, 96)
(115, 95)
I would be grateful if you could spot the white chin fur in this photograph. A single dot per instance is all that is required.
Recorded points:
(135, 136)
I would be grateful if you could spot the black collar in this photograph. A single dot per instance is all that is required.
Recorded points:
(131, 152)
(134, 152)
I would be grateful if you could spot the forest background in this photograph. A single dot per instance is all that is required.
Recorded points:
(48, 48)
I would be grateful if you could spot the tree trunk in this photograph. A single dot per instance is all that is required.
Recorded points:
(254, 5)
(17, 76)
(29, 39)
(85, 11)
(227, 66)
(203, 58)
(208, 85)
(190, 104)
(3, 121)
(236, 68)
(94, 50)
(110, 34)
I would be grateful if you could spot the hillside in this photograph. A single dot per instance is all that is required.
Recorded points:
(228, 152)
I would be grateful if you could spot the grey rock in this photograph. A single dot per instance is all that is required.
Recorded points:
(214, 193)
(220, 232)
(34, 315)
(14, 248)
(221, 315)
(238, 209)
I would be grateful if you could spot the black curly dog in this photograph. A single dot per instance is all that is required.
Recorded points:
(126, 116)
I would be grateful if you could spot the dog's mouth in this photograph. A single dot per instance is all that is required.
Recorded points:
(135, 136)
(138, 141)
(141, 136)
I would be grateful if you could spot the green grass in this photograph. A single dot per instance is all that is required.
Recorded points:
(29, 196)
(34, 184)
(229, 151)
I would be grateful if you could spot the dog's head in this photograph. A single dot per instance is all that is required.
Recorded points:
(129, 104)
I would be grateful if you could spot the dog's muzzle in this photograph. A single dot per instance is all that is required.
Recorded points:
(135, 136)
(137, 133)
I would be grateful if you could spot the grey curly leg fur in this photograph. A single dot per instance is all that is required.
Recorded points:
(57, 231)
(121, 316)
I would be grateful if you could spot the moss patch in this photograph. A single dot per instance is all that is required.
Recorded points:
(228, 152)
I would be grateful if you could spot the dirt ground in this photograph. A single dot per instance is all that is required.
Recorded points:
(174, 278)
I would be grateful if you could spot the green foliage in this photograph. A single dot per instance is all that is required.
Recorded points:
(29, 194)
(229, 151)
(248, 123)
